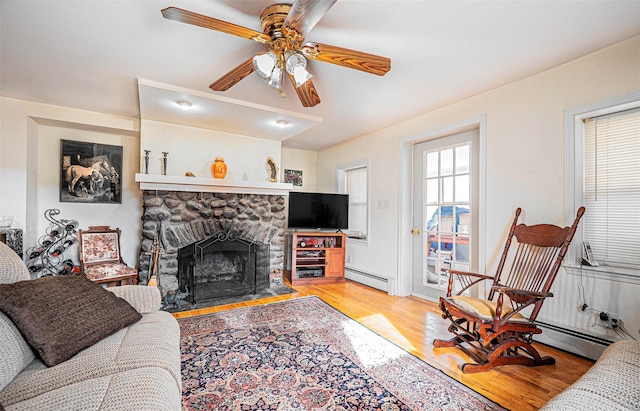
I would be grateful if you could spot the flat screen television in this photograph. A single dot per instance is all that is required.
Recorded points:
(318, 211)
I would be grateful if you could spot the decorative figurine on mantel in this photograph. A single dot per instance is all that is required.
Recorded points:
(272, 169)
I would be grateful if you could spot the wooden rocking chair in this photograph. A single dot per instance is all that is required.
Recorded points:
(501, 332)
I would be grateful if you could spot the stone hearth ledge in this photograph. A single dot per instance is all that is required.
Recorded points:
(209, 185)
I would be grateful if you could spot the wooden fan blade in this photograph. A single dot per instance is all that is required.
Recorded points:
(305, 14)
(189, 17)
(227, 81)
(358, 60)
(306, 92)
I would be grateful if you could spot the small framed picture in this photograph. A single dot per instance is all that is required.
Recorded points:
(293, 176)
(90, 173)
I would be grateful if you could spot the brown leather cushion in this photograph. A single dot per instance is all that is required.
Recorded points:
(62, 315)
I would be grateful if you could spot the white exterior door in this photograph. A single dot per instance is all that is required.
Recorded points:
(444, 212)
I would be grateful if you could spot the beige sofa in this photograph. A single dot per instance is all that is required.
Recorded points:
(611, 384)
(136, 368)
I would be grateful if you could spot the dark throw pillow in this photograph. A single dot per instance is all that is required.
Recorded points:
(62, 315)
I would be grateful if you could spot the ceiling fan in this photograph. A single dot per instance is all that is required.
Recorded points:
(284, 27)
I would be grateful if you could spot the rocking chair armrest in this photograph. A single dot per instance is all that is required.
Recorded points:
(469, 274)
(532, 294)
(466, 283)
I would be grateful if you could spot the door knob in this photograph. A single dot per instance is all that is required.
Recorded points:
(415, 231)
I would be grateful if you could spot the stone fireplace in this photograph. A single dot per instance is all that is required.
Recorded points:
(232, 240)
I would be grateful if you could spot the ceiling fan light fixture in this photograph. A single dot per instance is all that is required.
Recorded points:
(265, 63)
(293, 61)
(296, 65)
(275, 80)
(301, 76)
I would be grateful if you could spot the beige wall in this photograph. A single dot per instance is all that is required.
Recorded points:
(303, 160)
(126, 215)
(525, 166)
(29, 159)
(194, 149)
(378, 255)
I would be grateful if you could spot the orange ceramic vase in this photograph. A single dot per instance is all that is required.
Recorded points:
(219, 168)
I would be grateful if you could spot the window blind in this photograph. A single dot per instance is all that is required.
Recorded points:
(612, 188)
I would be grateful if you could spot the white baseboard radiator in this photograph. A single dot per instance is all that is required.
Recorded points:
(574, 341)
(367, 278)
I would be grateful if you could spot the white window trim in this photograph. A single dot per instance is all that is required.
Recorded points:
(573, 193)
(340, 178)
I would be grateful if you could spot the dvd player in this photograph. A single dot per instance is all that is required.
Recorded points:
(309, 272)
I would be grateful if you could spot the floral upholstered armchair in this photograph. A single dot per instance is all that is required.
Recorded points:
(100, 258)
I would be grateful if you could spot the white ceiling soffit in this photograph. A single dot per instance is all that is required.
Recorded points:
(158, 102)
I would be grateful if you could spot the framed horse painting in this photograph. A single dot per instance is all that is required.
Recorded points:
(90, 172)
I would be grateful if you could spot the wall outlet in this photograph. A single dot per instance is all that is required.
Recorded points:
(614, 321)
(348, 259)
(608, 320)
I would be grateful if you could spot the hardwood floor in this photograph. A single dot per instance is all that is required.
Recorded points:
(413, 323)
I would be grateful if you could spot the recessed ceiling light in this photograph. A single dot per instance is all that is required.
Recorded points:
(282, 123)
(184, 104)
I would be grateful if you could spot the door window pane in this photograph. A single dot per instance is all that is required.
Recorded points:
(432, 164)
(447, 189)
(462, 159)
(431, 191)
(462, 188)
(446, 158)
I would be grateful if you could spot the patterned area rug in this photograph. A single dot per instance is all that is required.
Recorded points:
(303, 354)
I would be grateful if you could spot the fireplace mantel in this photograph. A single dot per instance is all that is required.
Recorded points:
(209, 185)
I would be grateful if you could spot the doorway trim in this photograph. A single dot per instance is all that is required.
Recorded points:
(405, 195)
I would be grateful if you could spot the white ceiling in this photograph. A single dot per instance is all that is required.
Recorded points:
(91, 54)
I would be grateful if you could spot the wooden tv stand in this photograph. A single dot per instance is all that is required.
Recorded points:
(315, 257)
